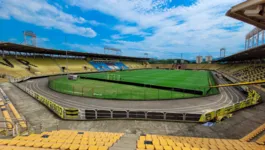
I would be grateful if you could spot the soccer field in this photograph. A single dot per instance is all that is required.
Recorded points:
(106, 90)
(186, 79)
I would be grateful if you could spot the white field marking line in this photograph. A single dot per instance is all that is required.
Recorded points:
(109, 107)
(235, 93)
(60, 101)
(227, 91)
(240, 94)
(227, 98)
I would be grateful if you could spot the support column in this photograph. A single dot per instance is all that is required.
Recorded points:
(263, 37)
(246, 41)
(257, 39)
(253, 40)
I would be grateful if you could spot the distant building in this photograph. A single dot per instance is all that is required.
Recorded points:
(208, 59)
(199, 59)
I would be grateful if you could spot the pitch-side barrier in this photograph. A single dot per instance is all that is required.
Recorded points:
(98, 114)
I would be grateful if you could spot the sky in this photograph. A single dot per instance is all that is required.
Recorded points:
(161, 28)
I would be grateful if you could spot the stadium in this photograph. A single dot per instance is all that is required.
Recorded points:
(56, 99)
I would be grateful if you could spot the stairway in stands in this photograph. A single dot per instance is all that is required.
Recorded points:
(257, 135)
(127, 142)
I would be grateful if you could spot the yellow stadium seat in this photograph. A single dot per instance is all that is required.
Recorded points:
(65, 146)
(93, 148)
(56, 145)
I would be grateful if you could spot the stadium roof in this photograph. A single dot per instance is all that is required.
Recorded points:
(31, 49)
(250, 11)
(250, 54)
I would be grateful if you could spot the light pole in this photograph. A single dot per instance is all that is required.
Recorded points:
(66, 51)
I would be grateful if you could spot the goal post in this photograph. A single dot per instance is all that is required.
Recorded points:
(113, 77)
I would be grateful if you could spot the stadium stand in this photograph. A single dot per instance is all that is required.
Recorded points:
(64, 139)
(3, 79)
(6, 114)
(73, 65)
(112, 66)
(261, 140)
(159, 142)
(120, 65)
(100, 66)
(10, 108)
(17, 115)
(44, 66)
(29, 66)
(161, 66)
(10, 66)
(134, 65)
(251, 73)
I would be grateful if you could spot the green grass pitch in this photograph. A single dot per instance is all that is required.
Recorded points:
(187, 79)
(195, 80)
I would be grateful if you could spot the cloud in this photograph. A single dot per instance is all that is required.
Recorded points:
(13, 40)
(96, 23)
(116, 37)
(200, 27)
(42, 13)
(130, 30)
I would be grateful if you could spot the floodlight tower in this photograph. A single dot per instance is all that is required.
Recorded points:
(222, 52)
(146, 55)
(30, 38)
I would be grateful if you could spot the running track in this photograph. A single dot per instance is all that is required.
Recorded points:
(227, 96)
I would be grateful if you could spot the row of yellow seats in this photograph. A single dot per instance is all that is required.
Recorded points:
(154, 142)
(9, 144)
(22, 122)
(261, 140)
(6, 115)
(65, 139)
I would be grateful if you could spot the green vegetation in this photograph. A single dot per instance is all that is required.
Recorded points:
(194, 80)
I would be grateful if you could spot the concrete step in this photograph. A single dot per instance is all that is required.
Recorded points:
(127, 142)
